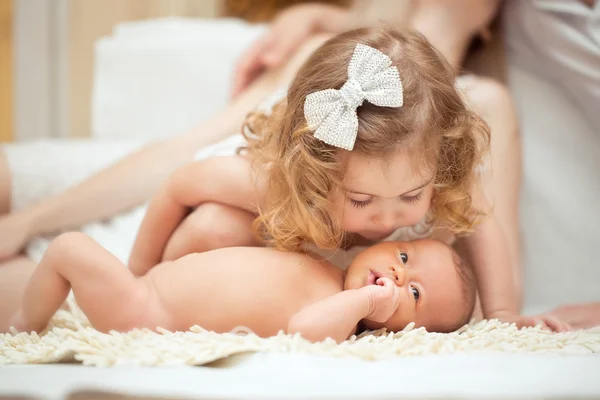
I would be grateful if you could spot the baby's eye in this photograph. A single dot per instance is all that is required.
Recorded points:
(403, 257)
(415, 292)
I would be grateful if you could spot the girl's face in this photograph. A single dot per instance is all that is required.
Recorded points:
(380, 196)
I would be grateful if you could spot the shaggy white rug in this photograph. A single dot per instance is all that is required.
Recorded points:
(70, 337)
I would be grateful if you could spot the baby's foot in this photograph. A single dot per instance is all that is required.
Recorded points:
(17, 321)
(22, 324)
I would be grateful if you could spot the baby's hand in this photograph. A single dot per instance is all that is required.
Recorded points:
(383, 299)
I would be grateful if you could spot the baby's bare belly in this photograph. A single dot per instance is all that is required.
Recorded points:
(257, 288)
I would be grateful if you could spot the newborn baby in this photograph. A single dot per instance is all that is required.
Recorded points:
(388, 285)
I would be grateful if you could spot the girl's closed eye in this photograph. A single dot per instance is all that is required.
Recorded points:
(412, 199)
(360, 203)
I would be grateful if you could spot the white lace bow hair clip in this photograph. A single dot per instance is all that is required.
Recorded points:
(331, 113)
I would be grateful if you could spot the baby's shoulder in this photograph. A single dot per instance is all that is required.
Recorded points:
(320, 269)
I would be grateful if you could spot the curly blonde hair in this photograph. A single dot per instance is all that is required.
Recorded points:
(302, 172)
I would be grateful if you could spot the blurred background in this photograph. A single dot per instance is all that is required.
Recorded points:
(47, 54)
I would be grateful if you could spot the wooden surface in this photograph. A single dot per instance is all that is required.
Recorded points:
(6, 81)
(265, 10)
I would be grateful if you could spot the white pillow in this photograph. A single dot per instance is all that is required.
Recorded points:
(162, 77)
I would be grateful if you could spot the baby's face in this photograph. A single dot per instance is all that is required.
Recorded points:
(424, 270)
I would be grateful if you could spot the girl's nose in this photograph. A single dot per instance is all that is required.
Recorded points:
(388, 220)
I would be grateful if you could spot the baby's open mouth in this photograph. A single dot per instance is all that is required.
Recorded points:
(372, 278)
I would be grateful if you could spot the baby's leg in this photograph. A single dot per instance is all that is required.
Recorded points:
(211, 226)
(110, 296)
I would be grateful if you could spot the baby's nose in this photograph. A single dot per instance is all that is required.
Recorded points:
(399, 274)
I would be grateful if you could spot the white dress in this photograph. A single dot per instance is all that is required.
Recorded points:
(553, 54)
(559, 40)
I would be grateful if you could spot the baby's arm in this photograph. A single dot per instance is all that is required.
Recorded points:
(337, 316)
(225, 180)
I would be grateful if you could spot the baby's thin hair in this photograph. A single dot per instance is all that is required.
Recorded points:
(434, 125)
(469, 286)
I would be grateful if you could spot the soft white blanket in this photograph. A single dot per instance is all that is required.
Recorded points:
(71, 337)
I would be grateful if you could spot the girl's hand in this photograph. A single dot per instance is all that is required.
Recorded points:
(383, 299)
(546, 321)
(14, 234)
(579, 316)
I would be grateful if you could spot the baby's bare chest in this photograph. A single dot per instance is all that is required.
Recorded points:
(242, 283)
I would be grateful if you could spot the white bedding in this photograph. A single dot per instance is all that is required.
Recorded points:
(297, 376)
(161, 77)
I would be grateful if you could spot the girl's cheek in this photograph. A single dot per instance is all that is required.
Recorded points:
(352, 221)
(338, 209)
(425, 208)
(417, 213)
(415, 217)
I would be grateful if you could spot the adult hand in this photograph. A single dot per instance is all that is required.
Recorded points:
(286, 34)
